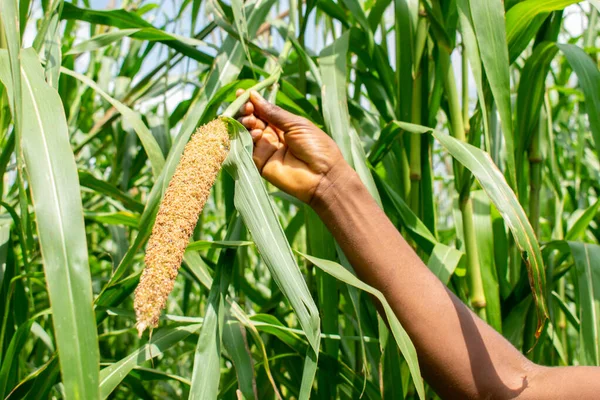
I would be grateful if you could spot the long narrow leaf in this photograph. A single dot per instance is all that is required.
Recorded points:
(148, 141)
(588, 279)
(253, 203)
(589, 80)
(488, 20)
(111, 376)
(402, 339)
(55, 190)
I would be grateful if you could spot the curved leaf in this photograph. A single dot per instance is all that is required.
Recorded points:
(488, 20)
(402, 339)
(588, 279)
(589, 80)
(489, 176)
(254, 205)
(111, 376)
(127, 20)
(57, 202)
(155, 155)
(530, 95)
(525, 18)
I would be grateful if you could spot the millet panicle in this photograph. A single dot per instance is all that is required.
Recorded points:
(177, 216)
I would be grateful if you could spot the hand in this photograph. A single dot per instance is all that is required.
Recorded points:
(289, 151)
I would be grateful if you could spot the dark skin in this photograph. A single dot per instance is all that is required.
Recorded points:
(460, 356)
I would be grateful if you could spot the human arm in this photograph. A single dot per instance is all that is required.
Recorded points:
(460, 355)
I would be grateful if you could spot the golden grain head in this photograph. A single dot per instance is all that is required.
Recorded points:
(177, 216)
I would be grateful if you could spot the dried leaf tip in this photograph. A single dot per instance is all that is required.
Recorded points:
(177, 216)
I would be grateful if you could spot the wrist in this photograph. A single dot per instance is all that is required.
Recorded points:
(341, 178)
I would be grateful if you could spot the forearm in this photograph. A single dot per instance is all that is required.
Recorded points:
(576, 383)
(459, 354)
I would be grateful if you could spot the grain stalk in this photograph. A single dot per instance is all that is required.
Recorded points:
(415, 138)
(535, 177)
(462, 178)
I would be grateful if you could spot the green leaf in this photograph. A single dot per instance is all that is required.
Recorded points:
(163, 339)
(86, 179)
(11, 358)
(254, 205)
(514, 323)
(124, 218)
(567, 311)
(200, 245)
(577, 230)
(588, 282)
(530, 95)
(127, 20)
(488, 21)
(443, 261)
(146, 34)
(332, 64)
(206, 373)
(155, 155)
(100, 41)
(38, 384)
(524, 20)
(482, 219)
(405, 22)
(416, 228)
(589, 81)
(471, 47)
(10, 23)
(402, 339)
(56, 197)
(234, 342)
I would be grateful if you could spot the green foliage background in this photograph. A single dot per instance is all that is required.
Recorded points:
(474, 124)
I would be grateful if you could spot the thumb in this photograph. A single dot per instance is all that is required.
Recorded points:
(270, 113)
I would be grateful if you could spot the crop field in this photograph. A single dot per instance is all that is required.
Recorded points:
(474, 124)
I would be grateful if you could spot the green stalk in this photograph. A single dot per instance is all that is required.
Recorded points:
(384, 42)
(591, 33)
(462, 178)
(535, 178)
(465, 88)
(562, 319)
(415, 138)
(3, 100)
(415, 148)
(301, 66)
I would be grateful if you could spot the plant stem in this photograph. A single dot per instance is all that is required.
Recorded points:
(465, 88)
(415, 148)
(591, 33)
(416, 111)
(462, 179)
(535, 178)
(301, 66)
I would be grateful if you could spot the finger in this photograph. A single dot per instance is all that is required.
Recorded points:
(239, 92)
(256, 134)
(248, 121)
(270, 113)
(263, 151)
(251, 122)
(246, 109)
